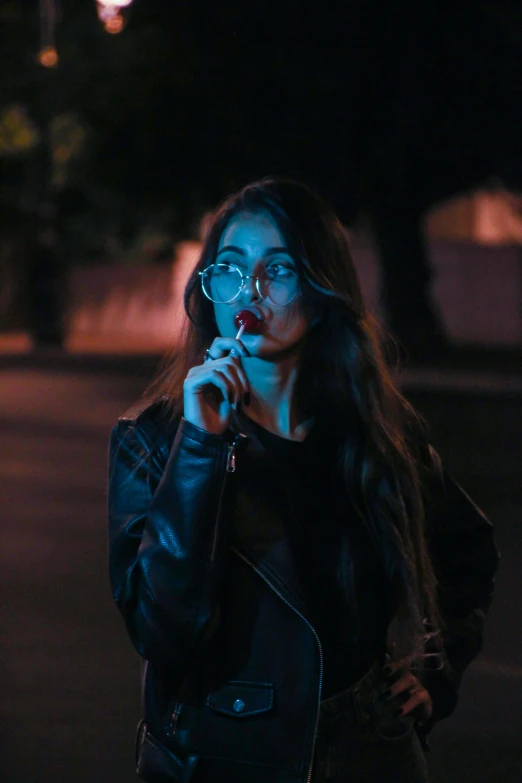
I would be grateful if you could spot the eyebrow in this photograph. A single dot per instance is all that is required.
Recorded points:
(270, 251)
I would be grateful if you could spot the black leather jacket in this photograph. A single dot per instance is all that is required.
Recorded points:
(232, 667)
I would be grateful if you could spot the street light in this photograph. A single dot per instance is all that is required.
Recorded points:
(48, 56)
(109, 13)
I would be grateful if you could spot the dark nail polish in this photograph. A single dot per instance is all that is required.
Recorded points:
(387, 671)
(246, 398)
(393, 677)
(230, 398)
(398, 713)
(385, 695)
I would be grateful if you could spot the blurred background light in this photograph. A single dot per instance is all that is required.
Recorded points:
(114, 24)
(114, 3)
(109, 13)
(48, 57)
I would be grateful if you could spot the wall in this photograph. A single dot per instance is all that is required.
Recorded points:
(477, 288)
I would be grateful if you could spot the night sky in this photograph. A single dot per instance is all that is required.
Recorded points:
(367, 100)
(385, 108)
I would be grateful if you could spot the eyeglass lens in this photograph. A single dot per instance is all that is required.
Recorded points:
(223, 282)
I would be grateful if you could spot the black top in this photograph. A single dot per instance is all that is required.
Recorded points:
(320, 524)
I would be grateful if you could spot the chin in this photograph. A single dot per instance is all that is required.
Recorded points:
(273, 351)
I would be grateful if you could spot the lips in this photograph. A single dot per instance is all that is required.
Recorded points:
(251, 318)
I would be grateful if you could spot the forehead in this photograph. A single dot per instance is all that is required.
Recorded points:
(252, 232)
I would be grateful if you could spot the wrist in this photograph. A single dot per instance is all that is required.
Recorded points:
(198, 433)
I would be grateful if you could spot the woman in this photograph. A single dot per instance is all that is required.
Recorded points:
(303, 580)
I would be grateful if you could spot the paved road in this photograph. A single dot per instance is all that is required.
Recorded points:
(69, 680)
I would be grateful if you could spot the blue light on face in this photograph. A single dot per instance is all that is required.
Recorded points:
(223, 282)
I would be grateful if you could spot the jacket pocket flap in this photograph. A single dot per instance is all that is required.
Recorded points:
(241, 699)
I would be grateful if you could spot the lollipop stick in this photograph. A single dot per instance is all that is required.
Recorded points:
(238, 335)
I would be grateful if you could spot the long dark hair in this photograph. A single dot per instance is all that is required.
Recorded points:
(345, 381)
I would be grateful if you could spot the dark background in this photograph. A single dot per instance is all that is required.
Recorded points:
(115, 154)
(386, 108)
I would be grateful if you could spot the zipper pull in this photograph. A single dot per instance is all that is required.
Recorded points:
(171, 731)
(231, 457)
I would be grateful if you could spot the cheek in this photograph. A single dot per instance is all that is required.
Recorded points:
(220, 315)
(292, 319)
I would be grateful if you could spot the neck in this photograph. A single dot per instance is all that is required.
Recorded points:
(272, 405)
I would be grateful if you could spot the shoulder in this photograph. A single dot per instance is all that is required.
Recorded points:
(152, 422)
(426, 457)
(154, 411)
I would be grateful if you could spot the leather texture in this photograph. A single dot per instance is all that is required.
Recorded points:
(218, 620)
(241, 700)
(157, 764)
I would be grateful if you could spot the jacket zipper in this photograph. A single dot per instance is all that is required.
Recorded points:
(231, 455)
(230, 467)
(320, 654)
(171, 730)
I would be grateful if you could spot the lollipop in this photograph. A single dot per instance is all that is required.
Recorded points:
(246, 320)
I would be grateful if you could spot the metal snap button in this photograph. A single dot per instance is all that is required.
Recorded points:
(238, 705)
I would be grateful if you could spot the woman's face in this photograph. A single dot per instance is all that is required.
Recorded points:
(253, 242)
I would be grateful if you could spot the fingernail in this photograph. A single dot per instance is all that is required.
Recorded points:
(398, 713)
(246, 398)
(385, 695)
(230, 398)
(387, 671)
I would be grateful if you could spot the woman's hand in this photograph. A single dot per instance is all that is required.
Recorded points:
(212, 388)
(407, 691)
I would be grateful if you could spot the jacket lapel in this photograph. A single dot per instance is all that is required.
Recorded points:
(261, 519)
(275, 563)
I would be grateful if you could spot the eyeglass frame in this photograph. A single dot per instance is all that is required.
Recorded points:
(243, 278)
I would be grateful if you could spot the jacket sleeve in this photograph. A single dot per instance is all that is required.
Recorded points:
(466, 558)
(163, 514)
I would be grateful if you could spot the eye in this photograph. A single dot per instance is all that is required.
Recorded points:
(225, 267)
(279, 271)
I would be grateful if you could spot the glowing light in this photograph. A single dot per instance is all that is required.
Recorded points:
(110, 16)
(114, 24)
(115, 3)
(48, 57)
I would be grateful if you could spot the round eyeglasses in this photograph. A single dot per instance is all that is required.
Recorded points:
(223, 283)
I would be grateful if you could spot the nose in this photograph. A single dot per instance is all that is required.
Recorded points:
(249, 292)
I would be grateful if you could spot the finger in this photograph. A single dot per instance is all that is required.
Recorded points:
(403, 683)
(389, 679)
(402, 697)
(231, 365)
(216, 377)
(230, 372)
(240, 375)
(419, 700)
(221, 346)
(393, 670)
(208, 374)
(396, 684)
